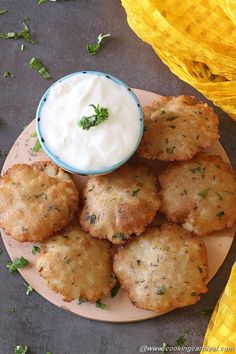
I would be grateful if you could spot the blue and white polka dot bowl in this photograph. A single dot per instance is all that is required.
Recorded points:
(66, 166)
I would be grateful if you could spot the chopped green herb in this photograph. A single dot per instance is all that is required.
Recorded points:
(113, 276)
(29, 289)
(91, 189)
(162, 112)
(7, 74)
(194, 293)
(204, 312)
(161, 290)
(50, 352)
(180, 341)
(92, 49)
(92, 218)
(200, 269)
(171, 118)
(2, 12)
(11, 309)
(100, 304)
(37, 65)
(22, 47)
(21, 349)
(37, 146)
(219, 196)
(100, 115)
(203, 194)
(220, 214)
(138, 261)
(171, 126)
(81, 301)
(23, 34)
(119, 235)
(165, 348)
(16, 264)
(115, 290)
(199, 169)
(135, 192)
(35, 249)
(170, 150)
(43, 1)
(33, 134)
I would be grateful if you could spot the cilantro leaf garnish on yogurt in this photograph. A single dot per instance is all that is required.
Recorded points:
(100, 115)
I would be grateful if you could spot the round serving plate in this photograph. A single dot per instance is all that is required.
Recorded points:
(119, 308)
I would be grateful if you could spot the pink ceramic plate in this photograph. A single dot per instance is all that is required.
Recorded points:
(119, 308)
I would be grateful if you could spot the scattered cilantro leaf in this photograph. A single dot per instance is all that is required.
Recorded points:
(203, 194)
(23, 34)
(22, 47)
(7, 74)
(115, 290)
(21, 349)
(93, 48)
(37, 146)
(33, 134)
(170, 150)
(100, 304)
(29, 289)
(180, 341)
(37, 65)
(35, 249)
(100, 115)
(43, 1)
(16, 264)
(11, 309)
(161, 290)
(2, 12)
(204, 312)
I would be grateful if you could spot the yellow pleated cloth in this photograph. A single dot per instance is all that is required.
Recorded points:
(221, 331)
(196, 39)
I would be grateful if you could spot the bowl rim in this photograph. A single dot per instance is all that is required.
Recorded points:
(65, 166)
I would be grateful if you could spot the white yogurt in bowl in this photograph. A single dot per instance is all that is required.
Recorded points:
(75, 136)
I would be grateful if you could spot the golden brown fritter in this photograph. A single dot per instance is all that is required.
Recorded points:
(163, 269)
(177, 128)
(120, 203)
(200, 194)
(36, 200)
(76, 265)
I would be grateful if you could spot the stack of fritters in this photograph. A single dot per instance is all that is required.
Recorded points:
(160, 268)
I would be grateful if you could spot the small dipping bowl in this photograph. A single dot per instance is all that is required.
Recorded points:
(55, 156)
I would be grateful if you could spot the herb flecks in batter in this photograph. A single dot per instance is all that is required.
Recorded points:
(135, 192)
(161, 290)
(170, 150)
(92, 218)
(120, 236)
(203, 194)
(220, 214)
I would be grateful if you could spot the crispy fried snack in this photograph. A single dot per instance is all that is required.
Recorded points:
(177, 128)
(163, 269)
(76, 265)
(120, 204)
(200, 194)
(36, 200)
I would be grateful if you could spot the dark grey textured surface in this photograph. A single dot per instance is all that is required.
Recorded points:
(62, 29)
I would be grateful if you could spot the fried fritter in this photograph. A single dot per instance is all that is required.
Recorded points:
(177, 128)
(36, 200)
(76, 265)
(121, 203)
(163, 269)
(200, 194)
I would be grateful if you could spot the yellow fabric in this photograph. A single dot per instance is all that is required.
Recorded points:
(221, 331)
(196, 39)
